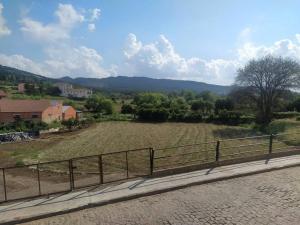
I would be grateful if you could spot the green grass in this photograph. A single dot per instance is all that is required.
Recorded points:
(115, 136)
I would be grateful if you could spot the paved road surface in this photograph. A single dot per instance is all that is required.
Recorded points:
(268, 198)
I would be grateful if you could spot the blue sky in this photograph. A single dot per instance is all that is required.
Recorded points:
(192, 40)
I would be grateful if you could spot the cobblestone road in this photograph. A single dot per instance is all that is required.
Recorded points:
(268, 198)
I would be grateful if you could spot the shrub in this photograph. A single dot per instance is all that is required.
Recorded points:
(193, 117)
(21, 125)
(99, 104)
(285, 115)
(70, 123)
(153, 114)
(127, 109)
(223, 104)
(230, 118)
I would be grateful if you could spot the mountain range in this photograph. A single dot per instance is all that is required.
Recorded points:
(117, 84)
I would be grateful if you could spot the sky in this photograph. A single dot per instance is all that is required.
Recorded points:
(198, 40)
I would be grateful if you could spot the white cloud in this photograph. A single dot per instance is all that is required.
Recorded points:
(67, 19)
(60, 58)
(4, 30)
(62, 61)
(68, 16)
(75, 62)
(22, 63)
(95, 14)
(284, 48)
(91, 27)
(160, 60)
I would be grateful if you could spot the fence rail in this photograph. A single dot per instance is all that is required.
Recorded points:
(53, 177)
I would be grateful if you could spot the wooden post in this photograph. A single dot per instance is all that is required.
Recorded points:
(71, 175)
(4, 185)
(151, 155)
(100, 169)
(218, 151)
(127, 172)
(271, 144)
(39, 179)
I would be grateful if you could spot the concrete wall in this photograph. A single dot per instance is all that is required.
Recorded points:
(52, 113)
(69, 113)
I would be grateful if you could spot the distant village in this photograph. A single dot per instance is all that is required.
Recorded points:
(45, 110)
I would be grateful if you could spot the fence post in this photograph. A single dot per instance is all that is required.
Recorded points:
(218, 151)
(39, 179)
(127, 172)
(71, 175)
(151, 154)
(271, 144)
(100, 169)
(4, 184)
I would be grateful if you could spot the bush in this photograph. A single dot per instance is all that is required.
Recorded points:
(23, 126)
(285, 115)
(193, 117)
(70, 123)
(295, 105)
(127, 109)
(231, 118)
(99, 104)
(86, 122)
(298, 118)
(223, 104)
(177, 116)
(153, 114)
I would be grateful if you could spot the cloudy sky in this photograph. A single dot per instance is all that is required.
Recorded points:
(187, 40)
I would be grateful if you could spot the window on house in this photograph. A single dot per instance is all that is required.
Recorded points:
(17, 116)
(34, 116)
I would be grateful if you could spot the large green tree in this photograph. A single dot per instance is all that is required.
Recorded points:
(266, 79)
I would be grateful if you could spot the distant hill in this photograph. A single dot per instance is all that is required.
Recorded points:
(122, 84)
(14, 75)
(116, 84)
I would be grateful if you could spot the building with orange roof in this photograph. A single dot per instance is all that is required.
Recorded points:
(36, 110)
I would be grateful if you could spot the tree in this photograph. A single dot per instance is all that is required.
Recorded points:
(295, 105)
(99, 104)
(268, 78)
(223, 104)
(127, 109)
(205, 107)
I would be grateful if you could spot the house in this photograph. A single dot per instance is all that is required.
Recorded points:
(68, 112)
(67, 90)
(2, 94)
(21, 87)
(36, 110)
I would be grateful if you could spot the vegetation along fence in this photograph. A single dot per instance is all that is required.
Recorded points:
(66, 175)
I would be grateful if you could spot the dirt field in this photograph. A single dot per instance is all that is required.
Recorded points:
(116, 136)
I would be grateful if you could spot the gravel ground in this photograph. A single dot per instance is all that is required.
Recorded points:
(268, 198)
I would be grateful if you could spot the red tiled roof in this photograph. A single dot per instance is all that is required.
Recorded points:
(8, 105)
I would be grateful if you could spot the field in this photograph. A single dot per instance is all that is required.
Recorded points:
(175, 144)
(116, 136)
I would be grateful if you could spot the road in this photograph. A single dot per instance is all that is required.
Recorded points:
(267, 198)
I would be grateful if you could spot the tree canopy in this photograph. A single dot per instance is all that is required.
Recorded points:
(266, 79)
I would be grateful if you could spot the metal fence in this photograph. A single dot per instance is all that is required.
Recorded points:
(66, 175)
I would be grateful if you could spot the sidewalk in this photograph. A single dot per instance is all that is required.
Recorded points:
(43, 207)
